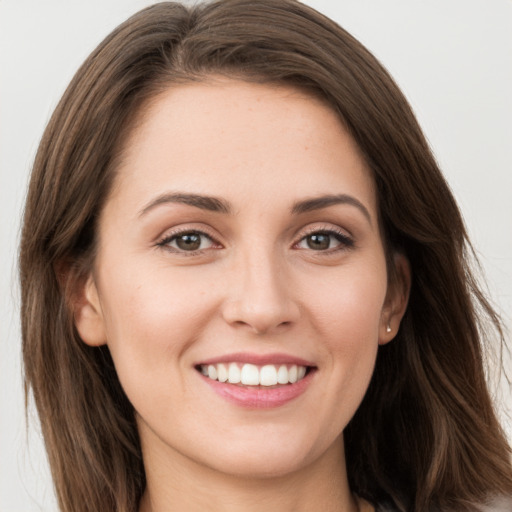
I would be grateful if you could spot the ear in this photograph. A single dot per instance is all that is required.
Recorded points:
(396, 299)
(87, 312)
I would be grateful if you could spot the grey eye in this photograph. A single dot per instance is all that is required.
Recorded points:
(325, 240)
(319, 241)
(188, 241)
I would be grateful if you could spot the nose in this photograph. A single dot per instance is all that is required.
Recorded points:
(260, 295)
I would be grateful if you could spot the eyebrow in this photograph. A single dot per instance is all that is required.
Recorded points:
(212, 204)
(317, 203)
(215, 204)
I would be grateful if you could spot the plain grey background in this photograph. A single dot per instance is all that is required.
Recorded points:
(452, 58)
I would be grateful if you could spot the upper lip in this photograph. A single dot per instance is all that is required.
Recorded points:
(257, 359)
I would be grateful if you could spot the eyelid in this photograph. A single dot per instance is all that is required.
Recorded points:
(346, 239)
(169, 235)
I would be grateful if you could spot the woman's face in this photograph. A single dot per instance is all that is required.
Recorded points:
(241, 240)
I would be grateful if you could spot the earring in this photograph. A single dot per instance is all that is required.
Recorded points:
(388, 328)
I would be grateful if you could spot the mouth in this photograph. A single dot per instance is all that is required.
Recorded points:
(254, 375)
(257, 381)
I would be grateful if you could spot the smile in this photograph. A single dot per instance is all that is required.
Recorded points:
(254, 375)
(257, 381)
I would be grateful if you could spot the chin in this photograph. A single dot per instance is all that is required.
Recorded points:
(260, 466)
(282, 457)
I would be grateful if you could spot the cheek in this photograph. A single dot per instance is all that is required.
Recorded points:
(151, 319)
(347, 315)
(349, 305)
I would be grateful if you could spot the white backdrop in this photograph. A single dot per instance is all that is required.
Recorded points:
(452, 58)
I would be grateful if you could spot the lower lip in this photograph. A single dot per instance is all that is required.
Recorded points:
(259, 397)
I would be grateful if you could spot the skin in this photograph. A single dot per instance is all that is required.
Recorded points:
(255, 285)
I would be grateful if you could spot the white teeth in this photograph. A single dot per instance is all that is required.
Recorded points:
(268, 375)
(282, 374)
(233, 374)
(252, 375)
(292, 374)
(212, 372)
(222, 373)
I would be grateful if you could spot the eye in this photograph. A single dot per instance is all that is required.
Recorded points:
(187, 241)
(325, 240)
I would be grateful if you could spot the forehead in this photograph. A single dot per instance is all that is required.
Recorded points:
(208, 137)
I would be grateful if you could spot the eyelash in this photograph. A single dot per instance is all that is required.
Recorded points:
(345, 241)
(164, 242)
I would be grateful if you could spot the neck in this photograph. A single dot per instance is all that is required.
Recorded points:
(185, 485)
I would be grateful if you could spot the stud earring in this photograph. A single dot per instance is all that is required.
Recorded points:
(388, 328)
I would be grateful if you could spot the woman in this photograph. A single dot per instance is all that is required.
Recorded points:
(245, 282)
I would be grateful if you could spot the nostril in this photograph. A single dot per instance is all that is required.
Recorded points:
(262, 308)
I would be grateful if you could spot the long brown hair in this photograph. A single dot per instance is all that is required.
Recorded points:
(426, 436)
